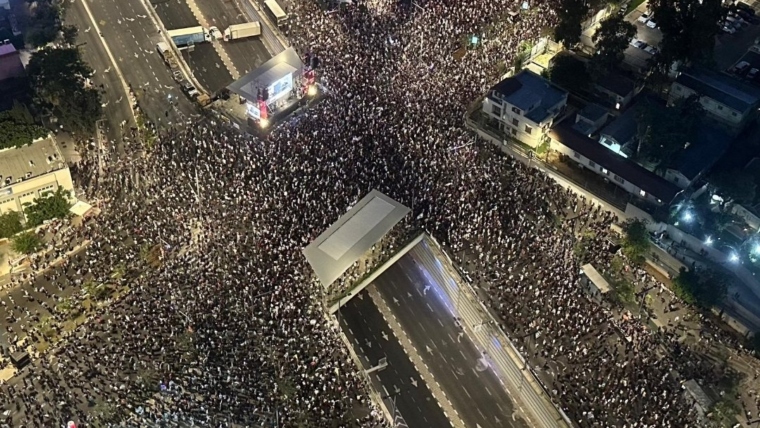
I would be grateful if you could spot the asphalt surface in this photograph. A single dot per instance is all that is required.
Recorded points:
(373, 339)
(427, 316)
(115, 99)
(204, 61)
(245, 54)
(132, 37)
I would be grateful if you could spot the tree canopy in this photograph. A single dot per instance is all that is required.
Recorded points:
(57, 78)
(47, 208)
(10, 224)
(569, 73)
(736, 185)
(635, 242)
(688, 30)
(44, 23)
(26, 243)
(611, 40)
(702, 289)
(571, 14)
(18, 128)
(664, 131)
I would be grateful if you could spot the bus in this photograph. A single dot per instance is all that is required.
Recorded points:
(275, 12)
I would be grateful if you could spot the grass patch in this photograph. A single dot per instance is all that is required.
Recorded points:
(632, 6)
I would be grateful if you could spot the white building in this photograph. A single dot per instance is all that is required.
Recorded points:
(725, 99)
(624, 173)
(29, 172)
(524, 106)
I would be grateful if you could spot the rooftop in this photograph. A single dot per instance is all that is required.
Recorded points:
(279, 66)
(627, 169)
(705, 148)
(616, 84)
(624, 128)
(721, 87)
(593, 112)
(337, 248)
(7, 49)
(34, 160)
(531, 93)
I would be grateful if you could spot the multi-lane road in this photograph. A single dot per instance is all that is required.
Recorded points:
(403, 300)
(123, 27)
(372, 340)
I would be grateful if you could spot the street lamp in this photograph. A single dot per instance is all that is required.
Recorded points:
(264, 123)
(312, 91)
(708, 240)
(733, 258)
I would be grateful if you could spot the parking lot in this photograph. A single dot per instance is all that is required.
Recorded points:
(646, 41)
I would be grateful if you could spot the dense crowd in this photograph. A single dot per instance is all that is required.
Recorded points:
(223, 322)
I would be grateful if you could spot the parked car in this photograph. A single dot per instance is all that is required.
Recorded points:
(739, 67)
(745, 7)
(651, 23)
(643, 18)
(752, 73)
(728, 29)
(651, 50)
(640, 44)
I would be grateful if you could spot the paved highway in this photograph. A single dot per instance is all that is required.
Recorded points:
(372, 340)
(204, 61)
(132, 37)
(246, 54)
(428, 318)
(115, 100)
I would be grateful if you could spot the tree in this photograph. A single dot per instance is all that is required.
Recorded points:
(69, 34)
(10, 224)
(688, 30)
(18, 128)
(26, 243)
(705, 290)
(57, 78)
(571, 14)
(48, 207)
(664, 131)
(735, 185)
(44, 23)
(570, 73)
(635, 242)
(611, 40)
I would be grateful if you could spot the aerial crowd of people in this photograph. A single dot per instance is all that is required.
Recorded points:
(223, 322)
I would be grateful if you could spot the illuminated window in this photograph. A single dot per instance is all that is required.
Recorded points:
(604, 171)
(643, 193)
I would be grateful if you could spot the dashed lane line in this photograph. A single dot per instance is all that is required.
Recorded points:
(426, 375)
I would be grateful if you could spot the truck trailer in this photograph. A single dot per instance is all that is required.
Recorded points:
(167, 55)
(189, 36)
(241, 31)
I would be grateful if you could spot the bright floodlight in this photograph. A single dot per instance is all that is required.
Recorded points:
(733, 258)
(312, 90)
(688, 216)
(708, 240)
(264, 123)
(756, 249)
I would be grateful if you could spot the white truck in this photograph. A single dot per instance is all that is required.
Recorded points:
(241, 31)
